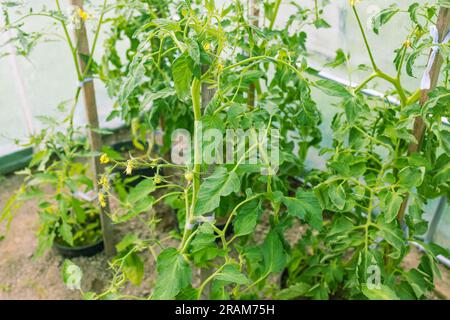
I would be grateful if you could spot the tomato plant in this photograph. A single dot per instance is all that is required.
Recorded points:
(232, 92)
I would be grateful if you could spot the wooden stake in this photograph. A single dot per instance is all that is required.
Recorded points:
(443, 24)
(207, 92)
(95, 139)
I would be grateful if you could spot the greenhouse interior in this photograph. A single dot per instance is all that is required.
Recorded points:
(224, 150)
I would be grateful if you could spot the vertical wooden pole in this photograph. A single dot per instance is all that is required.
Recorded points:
(207, 92)
(95, 139)
(443, 24)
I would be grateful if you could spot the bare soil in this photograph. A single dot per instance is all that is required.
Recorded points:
(22, 277)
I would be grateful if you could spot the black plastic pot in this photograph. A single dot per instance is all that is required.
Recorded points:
(73, 252)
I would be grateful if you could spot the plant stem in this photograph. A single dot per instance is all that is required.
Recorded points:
(70, 43)
(372, 60)
(274, 17)
(196, 106)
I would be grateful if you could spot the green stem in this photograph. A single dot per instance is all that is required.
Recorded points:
(203, 285)
(363, 84)
(372, 60)
(274, 17)
(70, 43)
(196, 106)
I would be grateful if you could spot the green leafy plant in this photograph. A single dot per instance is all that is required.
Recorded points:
(250, 228)
(57, 176)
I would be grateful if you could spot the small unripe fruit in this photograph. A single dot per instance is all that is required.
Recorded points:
(189, 176)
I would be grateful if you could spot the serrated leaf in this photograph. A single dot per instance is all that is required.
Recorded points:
(337, 196)
(230, 273)
(410, 177)
(383, 293)
(392, 204)
(274, 255)
(246, 218)
(383, 17)
(332, 88)
(133, 268)
(220, 184)
(141, 191)
(174, 274)
(305, 206)
(338, 60)
(65, 231)
(182, 75)
(295, 291)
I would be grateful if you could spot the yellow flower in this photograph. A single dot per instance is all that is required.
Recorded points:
(407, 43)
(101, 199)
(206, 46)
(354, 2)
(129, 168)
(104, 181)
(104, 159)
(83, 14)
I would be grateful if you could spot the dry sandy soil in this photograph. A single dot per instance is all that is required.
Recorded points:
(22, 277)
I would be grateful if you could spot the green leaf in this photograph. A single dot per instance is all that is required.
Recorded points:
(230, 273)
(203, 246)
(333, 88)
(338, 60)
(295, 291)
(65, 231)
(174, 274)
(246, 218)
(305, 206)
(410, 177)
(354, 108)
(393, 235)
(419, 282)
(141, 191)
(127, 241)
(383, 293)
(392, 204)
(337, 196)
(321, 23)
(161, 94)
(383, 17)
(194, 50)
(275, 257)
(72, 275)
(182, 75)
(133, 268)
(220, 184)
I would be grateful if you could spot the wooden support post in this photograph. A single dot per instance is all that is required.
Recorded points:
(207, 92)
(443, 24)
(90, 104)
